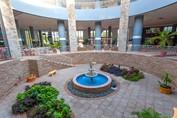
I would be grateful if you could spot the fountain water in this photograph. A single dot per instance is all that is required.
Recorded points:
(92, 81)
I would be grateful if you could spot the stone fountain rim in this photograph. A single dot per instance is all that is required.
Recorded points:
(89, 87)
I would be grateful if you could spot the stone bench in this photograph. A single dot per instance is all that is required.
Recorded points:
(51, 73)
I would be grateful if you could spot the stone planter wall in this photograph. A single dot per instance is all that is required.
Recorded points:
(41, 67)
(153, 65)
(12, 72)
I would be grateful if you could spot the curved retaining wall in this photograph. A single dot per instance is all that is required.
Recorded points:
(153, 65)
(11, 73)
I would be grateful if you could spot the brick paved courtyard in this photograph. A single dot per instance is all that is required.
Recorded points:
(131, 96)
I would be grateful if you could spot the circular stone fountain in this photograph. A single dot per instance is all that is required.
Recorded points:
(92, 82)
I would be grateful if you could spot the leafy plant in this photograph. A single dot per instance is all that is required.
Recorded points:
(104, 67)
(19, 108)
(44, 97)
(166, 80)
(148, 113)
(86, 42)
(21, 96)
(132, 74)
(146, 43)
(56, 44)
(45, 83)
(37, 94)
(111, 69)
(54, 108)
(163, 37)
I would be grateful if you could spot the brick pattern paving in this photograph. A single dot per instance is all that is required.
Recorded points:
(131, 96)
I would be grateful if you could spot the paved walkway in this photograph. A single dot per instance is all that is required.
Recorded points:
(131, 96)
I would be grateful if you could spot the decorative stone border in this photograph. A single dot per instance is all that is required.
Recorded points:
(98, 98)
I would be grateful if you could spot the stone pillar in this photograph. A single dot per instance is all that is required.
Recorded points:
(9, 30)
(97, 4)
(123, 25)
(72, 25)
(97, 35)
(137, 33)
(40, 38)
(62, 35)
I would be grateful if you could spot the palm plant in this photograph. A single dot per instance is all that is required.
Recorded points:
(166, 80)
(163, 37)
(56, 44)
(148, 113)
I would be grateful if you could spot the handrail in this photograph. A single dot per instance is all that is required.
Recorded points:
(92, 4)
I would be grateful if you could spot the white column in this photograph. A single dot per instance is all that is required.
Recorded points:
(9, 30)
(124, 25)
(72, 25)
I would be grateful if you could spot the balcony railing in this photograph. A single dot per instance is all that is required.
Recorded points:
(155, 49)
(95, 4)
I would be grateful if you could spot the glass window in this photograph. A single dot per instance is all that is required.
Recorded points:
(168, 28)
(79, 35)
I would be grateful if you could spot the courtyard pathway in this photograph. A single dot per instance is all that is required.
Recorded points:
(131, 96)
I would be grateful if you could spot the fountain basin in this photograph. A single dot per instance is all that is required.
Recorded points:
(99, 83)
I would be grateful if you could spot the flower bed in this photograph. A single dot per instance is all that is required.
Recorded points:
(131, 74)
(41, 97)
(111, 69)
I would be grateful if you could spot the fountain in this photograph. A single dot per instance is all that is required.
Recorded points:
(91, 74)
(92, 82)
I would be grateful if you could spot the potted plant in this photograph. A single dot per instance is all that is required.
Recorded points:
(145, 46)
(165, 84)
(164, 40)
(31, 78)
(56, 45)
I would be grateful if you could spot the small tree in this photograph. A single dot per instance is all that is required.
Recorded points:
(164, 37)
(166, 80)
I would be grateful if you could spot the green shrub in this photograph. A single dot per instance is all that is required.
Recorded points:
(132, 74)
(104, 67)
(54, 108)
(44, 93)
(44, 96)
